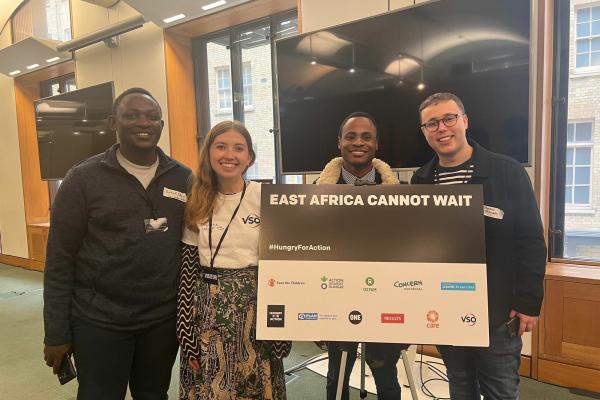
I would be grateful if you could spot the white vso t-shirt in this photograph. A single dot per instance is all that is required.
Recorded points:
(240, 246)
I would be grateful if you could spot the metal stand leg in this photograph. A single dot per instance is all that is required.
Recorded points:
(409, 375)
(340, 385)
(363, 357)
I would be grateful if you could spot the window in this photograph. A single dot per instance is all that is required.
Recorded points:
(235, 81)
(47, 19)
(575, 203)
(579, 163)
(62, 84)
(587, 34)
(223, 88)
(247, 84)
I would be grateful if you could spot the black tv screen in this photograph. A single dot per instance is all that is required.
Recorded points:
(476, 49)
(72, 127)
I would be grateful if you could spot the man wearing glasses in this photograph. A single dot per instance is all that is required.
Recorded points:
(515, 249)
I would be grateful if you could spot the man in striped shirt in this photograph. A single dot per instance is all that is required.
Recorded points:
(515, 249)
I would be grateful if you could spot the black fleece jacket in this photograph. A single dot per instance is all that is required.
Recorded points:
(515, 247)
(101, 265)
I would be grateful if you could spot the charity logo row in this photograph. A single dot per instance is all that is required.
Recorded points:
(276, 317)
(369, 285)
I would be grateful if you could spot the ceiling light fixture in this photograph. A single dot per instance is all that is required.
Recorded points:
(174, 18)
(313, 62)
(15, 72)
(213, 5)
(32, 66)
(352, 70)
(50, 60)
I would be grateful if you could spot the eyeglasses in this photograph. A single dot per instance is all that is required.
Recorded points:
(449, 120)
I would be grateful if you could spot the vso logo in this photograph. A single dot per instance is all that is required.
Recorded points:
(355, 317)
(252, 219)
(469, 319)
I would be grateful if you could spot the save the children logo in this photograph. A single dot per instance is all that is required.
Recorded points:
(271, 282)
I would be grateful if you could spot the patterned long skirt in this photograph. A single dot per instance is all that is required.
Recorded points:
(233, 364)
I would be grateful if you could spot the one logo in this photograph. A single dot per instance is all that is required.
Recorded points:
(469, 319)
(308, 316)
(331, 283)
(459, 286)
(390, 318)
(370, 281)
(252, 220)
(432, 319)
(409, 285)
(271, 282)
(275, 316)
(355, 317)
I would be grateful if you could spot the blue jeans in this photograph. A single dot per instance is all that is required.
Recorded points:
(489, 371)
(381, 358)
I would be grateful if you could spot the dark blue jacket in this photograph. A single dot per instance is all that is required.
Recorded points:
(101, 265)
(515, 247)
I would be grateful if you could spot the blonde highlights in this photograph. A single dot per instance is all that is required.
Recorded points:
(205, 187)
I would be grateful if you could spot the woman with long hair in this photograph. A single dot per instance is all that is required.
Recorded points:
(216, 316)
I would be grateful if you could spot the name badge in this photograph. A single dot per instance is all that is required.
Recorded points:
(174, 194)
(493, 212)
(212, 278)
(156, 225)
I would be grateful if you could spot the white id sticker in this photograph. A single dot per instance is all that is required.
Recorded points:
(493, 212)
(174, 194)
(156, 225)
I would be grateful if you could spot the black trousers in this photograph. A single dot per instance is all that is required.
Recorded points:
(108, 360)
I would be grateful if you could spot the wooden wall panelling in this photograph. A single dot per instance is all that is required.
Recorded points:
(181, 98)
(35, 191)
(568, 375)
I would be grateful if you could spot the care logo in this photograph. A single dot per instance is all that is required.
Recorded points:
(409, 285)
(432, 319)
(369, 281)
(252, 219)
(469, 319)
(331, 283)
(355, 317)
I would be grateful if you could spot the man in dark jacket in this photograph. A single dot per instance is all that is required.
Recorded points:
(515, 249)
(357, 141)
(113, 258)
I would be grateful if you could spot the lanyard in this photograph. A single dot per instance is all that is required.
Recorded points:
(214, 256)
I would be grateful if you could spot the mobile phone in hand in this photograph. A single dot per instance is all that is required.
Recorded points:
(66, 371)
(512, 326)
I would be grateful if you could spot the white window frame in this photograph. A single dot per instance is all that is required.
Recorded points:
(222, 90)
(247, 85)
(575, 207)
(592, 69)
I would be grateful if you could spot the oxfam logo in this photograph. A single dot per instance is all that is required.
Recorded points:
(370, 281)
(323, 282)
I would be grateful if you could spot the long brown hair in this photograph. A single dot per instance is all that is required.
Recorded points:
(204, 190)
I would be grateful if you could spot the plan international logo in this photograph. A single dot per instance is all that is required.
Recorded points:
(459, 286)
(308, 316)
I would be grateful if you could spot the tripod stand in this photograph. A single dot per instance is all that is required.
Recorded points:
(363, 392)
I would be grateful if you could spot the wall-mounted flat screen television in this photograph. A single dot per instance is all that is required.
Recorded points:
(388, 64)
(72, 127)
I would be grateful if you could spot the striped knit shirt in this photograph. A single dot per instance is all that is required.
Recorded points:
(454, 175)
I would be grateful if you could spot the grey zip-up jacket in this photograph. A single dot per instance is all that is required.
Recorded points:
(101, 265)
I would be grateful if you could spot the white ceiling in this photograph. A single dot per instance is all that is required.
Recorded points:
(156, 11)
